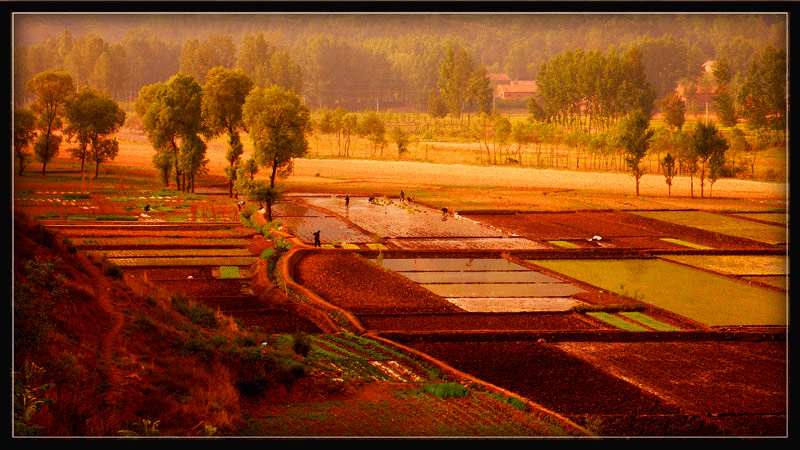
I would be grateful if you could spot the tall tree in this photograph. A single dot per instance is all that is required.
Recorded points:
(773, 75)
(708, 144)
(669, 170)
(400, 139)
(24, 134)
(373, 128)
(479, 89)
(349, 127)
(198, 57)
(223, 98)
(723, 98)
(278, 122)
(93, 118)
(454, 76)
(674, 110)
(636, 137)
(52, 90)
(171, 114)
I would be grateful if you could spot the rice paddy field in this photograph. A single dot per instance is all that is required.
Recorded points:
(708, 298)
(757, 231)
(631, 316)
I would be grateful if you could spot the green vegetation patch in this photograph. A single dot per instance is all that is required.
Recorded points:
(377, 247)
(648, 321)
(229, 272)
(104, 217)
(446, 390)
(687, 244)
(741, 265)
(714, 300)
(743, 228)
(616, 321)
(775, 217)
(564, 244)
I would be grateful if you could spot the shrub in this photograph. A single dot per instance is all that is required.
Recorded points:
(197, 313)
(301, 344)
(446, 390)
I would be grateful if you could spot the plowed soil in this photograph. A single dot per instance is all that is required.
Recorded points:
(589, 389)
(354, 284)
(614, 227)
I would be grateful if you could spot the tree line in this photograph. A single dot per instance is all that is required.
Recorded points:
(178, 116)
(379, 62)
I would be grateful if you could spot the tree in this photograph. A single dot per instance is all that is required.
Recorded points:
(436, 105)
(479, 89)
(171, 114)
(687, 156)
(400, 138)
(373, 128)
(738, 143)
(726, 111)
(92, 118)
(52, 90)
(24, 134)
(669, 170)
(536, 112)
(454, 76)
(708, 144)
(349, 127)
(522, 133)
(277, 121)
(716, 165)
(636, 137)
(674, 110)
(223, 97)
(199, 57)
(773, 76)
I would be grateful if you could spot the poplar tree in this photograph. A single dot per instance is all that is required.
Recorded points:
(635, 137)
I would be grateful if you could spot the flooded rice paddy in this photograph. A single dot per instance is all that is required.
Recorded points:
(486, 284)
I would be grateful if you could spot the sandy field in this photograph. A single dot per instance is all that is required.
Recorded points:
(135, 151)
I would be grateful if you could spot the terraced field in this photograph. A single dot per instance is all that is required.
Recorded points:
(627, 323)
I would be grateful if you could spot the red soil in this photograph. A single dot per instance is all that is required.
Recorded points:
(616, 228)
(356, 285)
(584, 391)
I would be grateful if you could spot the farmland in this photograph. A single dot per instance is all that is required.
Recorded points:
(603, 312)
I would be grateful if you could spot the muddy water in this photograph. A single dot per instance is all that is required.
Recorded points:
(515, 276)
(514, 304)
(332, 229)
(449, 264)
(509, 243)
(392, 219)
(488, 290)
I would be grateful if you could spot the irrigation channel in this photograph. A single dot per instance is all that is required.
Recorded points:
(631, 323)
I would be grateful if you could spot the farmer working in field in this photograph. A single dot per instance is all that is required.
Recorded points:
(346, 200)
(316, 239)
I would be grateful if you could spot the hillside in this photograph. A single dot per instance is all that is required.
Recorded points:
(98, 353)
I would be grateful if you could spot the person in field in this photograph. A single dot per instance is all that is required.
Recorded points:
(316, 239)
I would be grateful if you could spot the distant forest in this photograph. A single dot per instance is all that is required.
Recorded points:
(370, 61)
